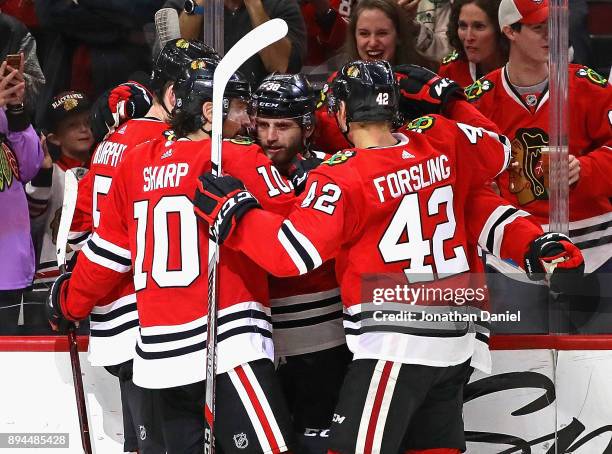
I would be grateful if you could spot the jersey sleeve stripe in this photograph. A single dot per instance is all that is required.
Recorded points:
(77, 240)
(491, 236)
(507, 151)
(499, 231)
(303, 253)
(507, 148)
(103, 257)
(111, 247)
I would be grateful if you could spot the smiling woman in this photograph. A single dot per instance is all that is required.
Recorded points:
(475, 34)
(381, 30)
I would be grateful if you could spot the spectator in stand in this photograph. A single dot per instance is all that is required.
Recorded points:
(479, 44)
(516, 98)
(326, 28)
(70, 132)
(92, 45)
(17, 39)
(241, 16)
(381, 30)
(20, 159)
(432, 18)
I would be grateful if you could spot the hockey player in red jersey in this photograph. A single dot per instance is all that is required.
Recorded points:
(114, 318)
(149, 231)
(516, 98)
(393, 207)
(422, 91)
(306, 310)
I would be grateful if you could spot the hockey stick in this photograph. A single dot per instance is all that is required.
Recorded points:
(254, 41)
(167, 26)
(71, 187)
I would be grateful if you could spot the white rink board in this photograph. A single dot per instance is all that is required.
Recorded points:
(37, 395)
(583, 402)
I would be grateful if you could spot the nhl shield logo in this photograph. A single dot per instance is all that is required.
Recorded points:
(241, 441)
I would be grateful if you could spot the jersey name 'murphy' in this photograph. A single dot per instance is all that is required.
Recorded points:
(158, 177)
(109, 151)
(405, 181)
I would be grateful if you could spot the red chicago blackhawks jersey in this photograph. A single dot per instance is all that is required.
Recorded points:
(525, 120)
(392, 216)
(149, 231)
(329, 138)
(458, 69)
(114, 318)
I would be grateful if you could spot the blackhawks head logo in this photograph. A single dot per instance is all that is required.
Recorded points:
(322, 95)
(242, 140)
(478, 88)
(340, 158)
(353, 71)
(9, 169)
(421, 124)
(592, 76)
(198, 64)
(529, 168)
(182, 44)
(454, 55)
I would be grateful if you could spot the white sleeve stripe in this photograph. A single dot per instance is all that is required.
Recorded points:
(104, 261)
(302, 246)
(297, 260)
(483, 239)
(499, 231)
(111, 247)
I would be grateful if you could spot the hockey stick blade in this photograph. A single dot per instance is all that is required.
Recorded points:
(257, 39)
(167, 25)
(71, 188)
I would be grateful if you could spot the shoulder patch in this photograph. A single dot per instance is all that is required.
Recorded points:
(454, 55)
(340, 158)
(421, 124)
(169, 135)
(591, 76)
(322, 95)
(242, 141)
(478, 88)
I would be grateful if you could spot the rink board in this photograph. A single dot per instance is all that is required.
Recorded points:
(512, 410)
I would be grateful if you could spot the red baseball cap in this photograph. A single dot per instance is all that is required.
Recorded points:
(523, 11)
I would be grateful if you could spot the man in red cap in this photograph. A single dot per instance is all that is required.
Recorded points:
(515, 97)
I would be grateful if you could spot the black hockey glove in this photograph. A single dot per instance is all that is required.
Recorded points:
(222, 201)
(554, 257)
(300, 168)
(56, 317)
(423, 92)
(115, 106)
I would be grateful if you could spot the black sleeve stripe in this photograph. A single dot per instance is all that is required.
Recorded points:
(491, 236)
(79, 239)
(308, 261)
(108, 254)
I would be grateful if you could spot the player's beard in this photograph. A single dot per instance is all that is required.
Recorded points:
(282, 156)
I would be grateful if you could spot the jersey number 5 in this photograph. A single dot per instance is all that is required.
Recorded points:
(407, 218)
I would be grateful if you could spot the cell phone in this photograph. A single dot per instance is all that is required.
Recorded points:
(14, 61)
